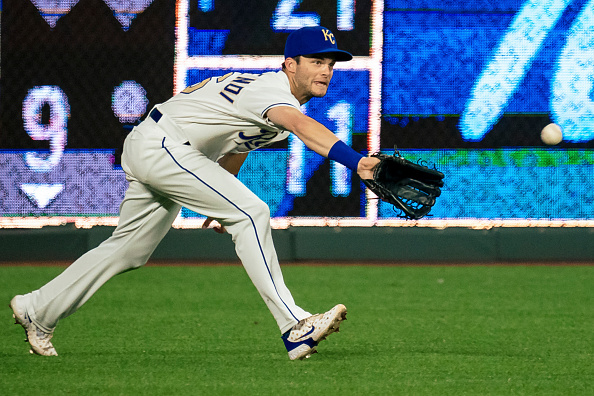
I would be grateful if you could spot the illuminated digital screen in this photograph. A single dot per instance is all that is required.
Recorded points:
(487, 74)
(231, 27)
(466, 86)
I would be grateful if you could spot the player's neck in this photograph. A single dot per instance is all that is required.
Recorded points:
(302, 96)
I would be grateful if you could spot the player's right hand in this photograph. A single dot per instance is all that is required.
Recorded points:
(215, 225)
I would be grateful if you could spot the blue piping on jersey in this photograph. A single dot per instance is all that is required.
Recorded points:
(242, 211)
(274, 105)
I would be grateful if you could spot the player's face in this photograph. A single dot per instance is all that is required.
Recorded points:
(313, 75)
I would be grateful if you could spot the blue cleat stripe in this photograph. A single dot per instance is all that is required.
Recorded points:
(290, 345)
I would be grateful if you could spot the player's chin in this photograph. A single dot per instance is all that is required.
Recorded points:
(319, 91)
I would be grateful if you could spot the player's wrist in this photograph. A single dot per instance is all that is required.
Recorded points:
(367, 166)
(345, 155)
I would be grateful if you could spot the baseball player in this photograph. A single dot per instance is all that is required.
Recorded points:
(187, 152)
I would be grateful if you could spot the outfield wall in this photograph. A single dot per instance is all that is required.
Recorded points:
(398, 244)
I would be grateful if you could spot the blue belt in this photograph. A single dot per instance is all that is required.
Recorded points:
(155, 115)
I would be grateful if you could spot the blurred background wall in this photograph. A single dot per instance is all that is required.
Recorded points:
(467, 87)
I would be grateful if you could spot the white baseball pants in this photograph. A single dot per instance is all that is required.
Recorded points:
(165, 174)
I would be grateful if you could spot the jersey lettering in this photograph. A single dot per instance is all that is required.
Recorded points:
(233, 88)
(244, 80)
(255, 141)
(196, 86)
(223, 78)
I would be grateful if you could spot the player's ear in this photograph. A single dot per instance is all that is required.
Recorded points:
(291, 65)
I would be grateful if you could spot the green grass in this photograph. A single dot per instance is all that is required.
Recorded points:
(411, 330)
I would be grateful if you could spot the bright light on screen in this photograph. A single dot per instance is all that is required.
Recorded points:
(466, 86)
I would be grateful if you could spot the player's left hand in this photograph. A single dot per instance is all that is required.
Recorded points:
(411, 187)
(215, 225)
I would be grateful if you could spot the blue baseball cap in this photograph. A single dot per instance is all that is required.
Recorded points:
(314, 40)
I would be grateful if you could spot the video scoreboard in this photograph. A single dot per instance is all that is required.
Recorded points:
(467, 87)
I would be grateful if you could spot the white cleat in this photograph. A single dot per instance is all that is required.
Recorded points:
(301, 341)
(39, 340)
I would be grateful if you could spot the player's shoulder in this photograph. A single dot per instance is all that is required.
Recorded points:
(273, 79)
(267, 90)
(274, 84)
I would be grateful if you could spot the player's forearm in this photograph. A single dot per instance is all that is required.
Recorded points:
(315, 136)
(338, 151)
(321, 140)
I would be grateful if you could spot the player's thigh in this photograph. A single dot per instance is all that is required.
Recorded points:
(145, 214)
(191, 179)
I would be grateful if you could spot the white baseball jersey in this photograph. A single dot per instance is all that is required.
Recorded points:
(227, 114)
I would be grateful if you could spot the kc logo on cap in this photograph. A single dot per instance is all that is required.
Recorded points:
(328, 35)
(314, 40)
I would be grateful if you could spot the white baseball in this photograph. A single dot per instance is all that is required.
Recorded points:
(551, 134)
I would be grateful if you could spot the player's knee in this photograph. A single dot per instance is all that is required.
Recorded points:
(132, 265)
(135, 258)
(251, 210)
(258, 208)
